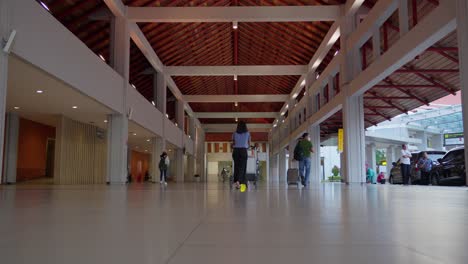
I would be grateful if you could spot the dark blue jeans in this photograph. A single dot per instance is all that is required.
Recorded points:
(405, 172)
(163, 175)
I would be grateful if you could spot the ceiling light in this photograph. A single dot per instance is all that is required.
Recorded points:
(237, 119)
(282, 121)
(303, 82)
(294, 96)
(176, 125)
(152, 102)
(131, 84)
(336, 52)
(105, 121)
(74, 107)
(236, 104)
(317, 75)
(287, 106)
(189, 136)
(134, 134)
(170, 150)
(235, 25)
(39, 91)
(274, 125)
(235, 77)
(305, 92)
(167, 115)
(45, 6)
(102, 57)
(282, 113)
(137, 147)
(146, 150)
(148, 140)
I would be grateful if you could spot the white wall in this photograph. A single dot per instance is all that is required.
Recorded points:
(144, 113)
(46, 43)
(172, 133)
(332, 158)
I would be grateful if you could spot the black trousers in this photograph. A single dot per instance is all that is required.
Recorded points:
(163, 175)
(405, 173)
(426, 177)
(239, 155)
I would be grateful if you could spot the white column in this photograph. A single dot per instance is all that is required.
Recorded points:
(117, 136)
(354, 139)
(370, 156)
(11, 147)
(315, 171)
(160, 92)
(118, 123)
(180, 152)
(391, 151)
(403, 17)
(5, 29)
(292, 163)
(282, 165)
(462, 30)
(353, 109)
(268, 162)
(158, 145)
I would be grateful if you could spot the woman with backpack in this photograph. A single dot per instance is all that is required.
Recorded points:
(163, 165)
(241, 143)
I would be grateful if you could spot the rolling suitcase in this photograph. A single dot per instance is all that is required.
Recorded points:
(293, 177)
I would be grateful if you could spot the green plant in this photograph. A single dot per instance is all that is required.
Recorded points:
(334, 179)
(335, 171)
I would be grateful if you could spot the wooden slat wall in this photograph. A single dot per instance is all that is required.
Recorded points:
(81, 156)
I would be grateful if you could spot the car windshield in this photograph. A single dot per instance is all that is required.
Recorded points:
(435, 156)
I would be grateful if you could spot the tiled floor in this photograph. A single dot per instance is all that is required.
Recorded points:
(328, 223)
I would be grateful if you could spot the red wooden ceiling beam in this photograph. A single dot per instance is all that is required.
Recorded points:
(407, 92)
(434, 82)
(388, 98)
(427, 71)
(412, 86)
(388, 101)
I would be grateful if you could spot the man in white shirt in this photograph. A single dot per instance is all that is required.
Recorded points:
(405, 164)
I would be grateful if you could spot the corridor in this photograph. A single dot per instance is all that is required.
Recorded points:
(190, 223)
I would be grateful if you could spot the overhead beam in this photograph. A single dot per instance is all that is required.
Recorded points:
(234, 13)
(236, 114)
(436, 25)
(236, 70)
(251, 98)
(252, 127)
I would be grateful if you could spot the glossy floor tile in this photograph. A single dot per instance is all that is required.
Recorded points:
(196, 223)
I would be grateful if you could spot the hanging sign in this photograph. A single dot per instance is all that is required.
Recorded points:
(340, 140)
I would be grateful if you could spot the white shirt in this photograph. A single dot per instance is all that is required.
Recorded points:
(405, 160)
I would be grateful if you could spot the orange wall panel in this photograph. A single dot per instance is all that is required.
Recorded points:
(139, 165)
(32, 153)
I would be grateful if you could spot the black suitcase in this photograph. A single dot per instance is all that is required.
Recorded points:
(293, 177)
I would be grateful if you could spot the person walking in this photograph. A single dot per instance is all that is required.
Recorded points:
(163, 165)
(241, 143)
(425, 165)
(305, 162)
(405, 164)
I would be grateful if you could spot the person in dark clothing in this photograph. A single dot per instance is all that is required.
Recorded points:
(425, 165)
(163, 165)
(241, 143)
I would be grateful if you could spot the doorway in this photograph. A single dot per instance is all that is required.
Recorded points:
(50, 158)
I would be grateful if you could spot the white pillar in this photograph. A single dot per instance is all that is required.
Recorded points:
(403, 17)
(354, 139)
(353, 109)
(158, 145)
(5, 30)
(315, 171)
(117, 132)
(117, 136)
(268, 162)
(180, 115)
(11, 147)
(160, 91)
(282, 165)
(462, 30)
(370, 156)
(292, 163)
(390, 158)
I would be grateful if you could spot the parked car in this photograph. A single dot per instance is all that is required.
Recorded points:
(451, 169)
(415, 178)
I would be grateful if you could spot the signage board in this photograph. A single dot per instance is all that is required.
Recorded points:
(453, 139)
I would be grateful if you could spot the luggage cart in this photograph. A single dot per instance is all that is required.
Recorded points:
(252, 171)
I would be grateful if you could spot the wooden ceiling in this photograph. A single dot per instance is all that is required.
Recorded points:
(430, 76)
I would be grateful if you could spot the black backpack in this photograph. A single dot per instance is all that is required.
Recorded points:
(298, 152)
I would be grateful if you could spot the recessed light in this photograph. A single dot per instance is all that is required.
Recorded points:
(16, 107)
(105, 121)
(303, 82)
(133, 85)
(282, 121)
(167, 115)
(39, 91)
(134, 134)
(45, 6)
(146, 150)
(235, 25)
(102, 57)
(74, 107)
(176, 125)
(236, 104)
(148, 140)
(235, 77)
(237, 119)
(336, 52)
(154, 104)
